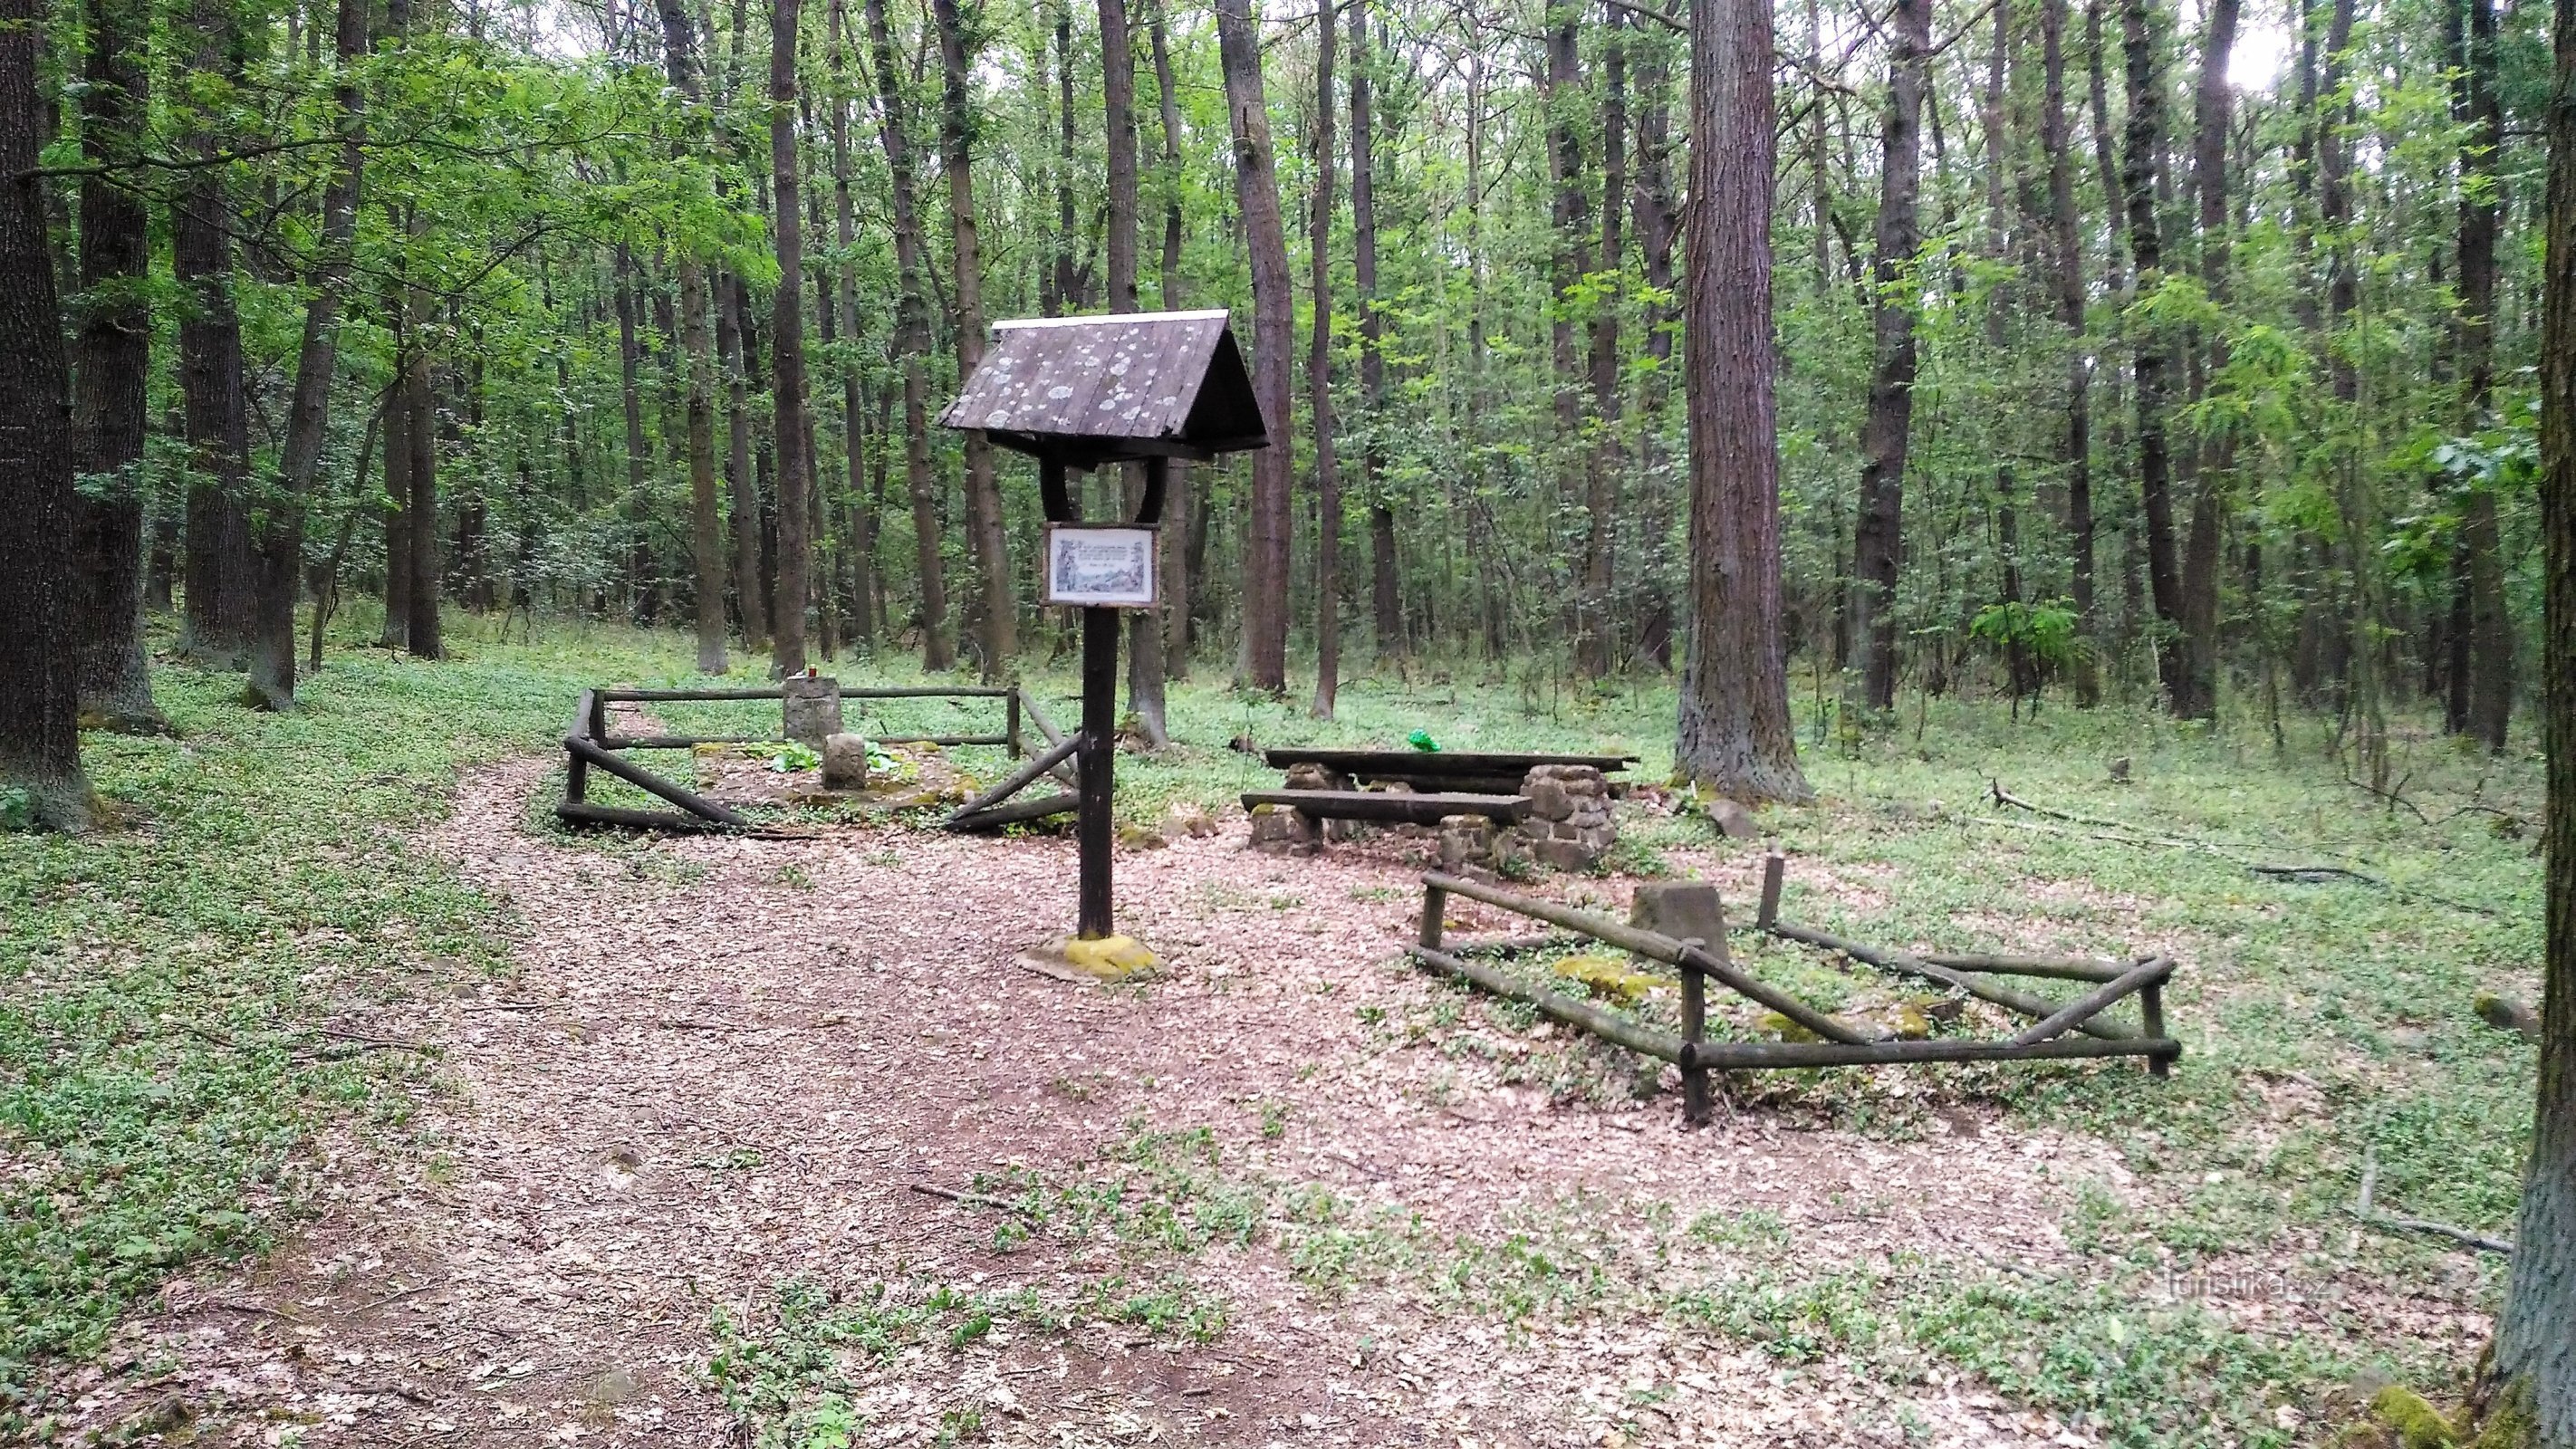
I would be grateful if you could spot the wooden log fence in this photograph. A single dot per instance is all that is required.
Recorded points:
(590, 745)
(2061, 1031)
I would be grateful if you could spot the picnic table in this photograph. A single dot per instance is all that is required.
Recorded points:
(1437, 771)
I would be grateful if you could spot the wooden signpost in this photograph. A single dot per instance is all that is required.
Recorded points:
(1090, 392)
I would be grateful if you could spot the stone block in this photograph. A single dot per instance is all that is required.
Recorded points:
(1277, 830)
(1465, 840)
(1311, 776)
(1563, 854)
(1680, 909)
(845, 762)
(1547, 797)
(1732, 819)
(811, 712)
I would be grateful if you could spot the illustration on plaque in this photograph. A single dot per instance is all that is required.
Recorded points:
(1100, 566)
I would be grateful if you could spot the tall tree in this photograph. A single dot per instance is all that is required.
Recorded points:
(984, 519)
(1877, 551)
(2066, 247)
(1594, 643)
(1319, 379)
(2534, 1352)
(213, 390)
(1386, 604)
(1256, 184)
(912, 347)
(1569, 262)
(280, 527)
(787, 328)
(40, 699)
(111, 360)
(2483, 708)
(2212, 110)
(1118, 99)
(706, 519)
(2143, 146)
(1179, 529)
(1734, 734)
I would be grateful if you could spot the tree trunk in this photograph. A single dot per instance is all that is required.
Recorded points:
(787, 366)
(751, 601)
(111, 359)
(912, 345)
(1879, 545)
(280, 533)
(630, 362)
(1734, 735)
(1386, 603)
(2066, 245)
(984, 518)
(2535, 1353)
(1598, 653)
(706, 522)
(1319, 379)
(421, 635)
(2490, 641)
(1179, 538)
(2201, 549)
(1118, 96)
(1062, 289)
(1658, 223)
(1256, 182)
(216, 405)
(2144, 143)
(1569, 261)
(40, 707)
(397, 497)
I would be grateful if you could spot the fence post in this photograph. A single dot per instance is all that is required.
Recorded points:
(1435, 903)
(1695, 1103)
(1011, 719)
(2151, 1008)
(1773, 865)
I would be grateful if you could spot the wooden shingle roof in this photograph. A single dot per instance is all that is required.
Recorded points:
(1094, 390)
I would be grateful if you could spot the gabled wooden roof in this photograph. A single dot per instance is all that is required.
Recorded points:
(1094, 390)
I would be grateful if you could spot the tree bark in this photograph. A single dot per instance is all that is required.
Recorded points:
(111, 360)
(40, 706)
(280, 532)
(751, 602)
(1569, 262)
(983, 495)
(787, 325)
(1886, 432)
(2149, 353)
(706, 522)
(1734, 733)
(397, 497)
(2066, 245)
(912, 345)
(2489, 710)
(1256, 182)
(215, 397)
(2535, 1353)
(421, 635)
(1179, 536)
(2212, 109)
(630, 392)
(1319, 380)
(1597, 653)
(1118, 97)
(1385, 599)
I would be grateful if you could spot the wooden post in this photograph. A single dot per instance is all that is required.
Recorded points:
(1695, 1103)
(1011, 719)
(1773, 865)
(1098, 755)
(2151, 1009)
(1435, 904)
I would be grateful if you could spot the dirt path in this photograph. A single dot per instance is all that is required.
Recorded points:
(701, 1088)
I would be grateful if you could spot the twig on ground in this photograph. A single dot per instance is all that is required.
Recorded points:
(383, 1043)
(2372, 1218)
(971, 1199)
(2306, 874)
(393, 1298)
(2395, 796)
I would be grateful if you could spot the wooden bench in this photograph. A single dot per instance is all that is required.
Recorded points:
(1391, 805)
(1430, 771)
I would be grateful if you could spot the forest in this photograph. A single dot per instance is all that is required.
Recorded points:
(1827, 402)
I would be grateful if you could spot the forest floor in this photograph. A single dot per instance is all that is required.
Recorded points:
(349, 1101)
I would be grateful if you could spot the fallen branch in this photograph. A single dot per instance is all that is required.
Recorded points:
(971, 1199)
(2309, 874)
(2362, 1210)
